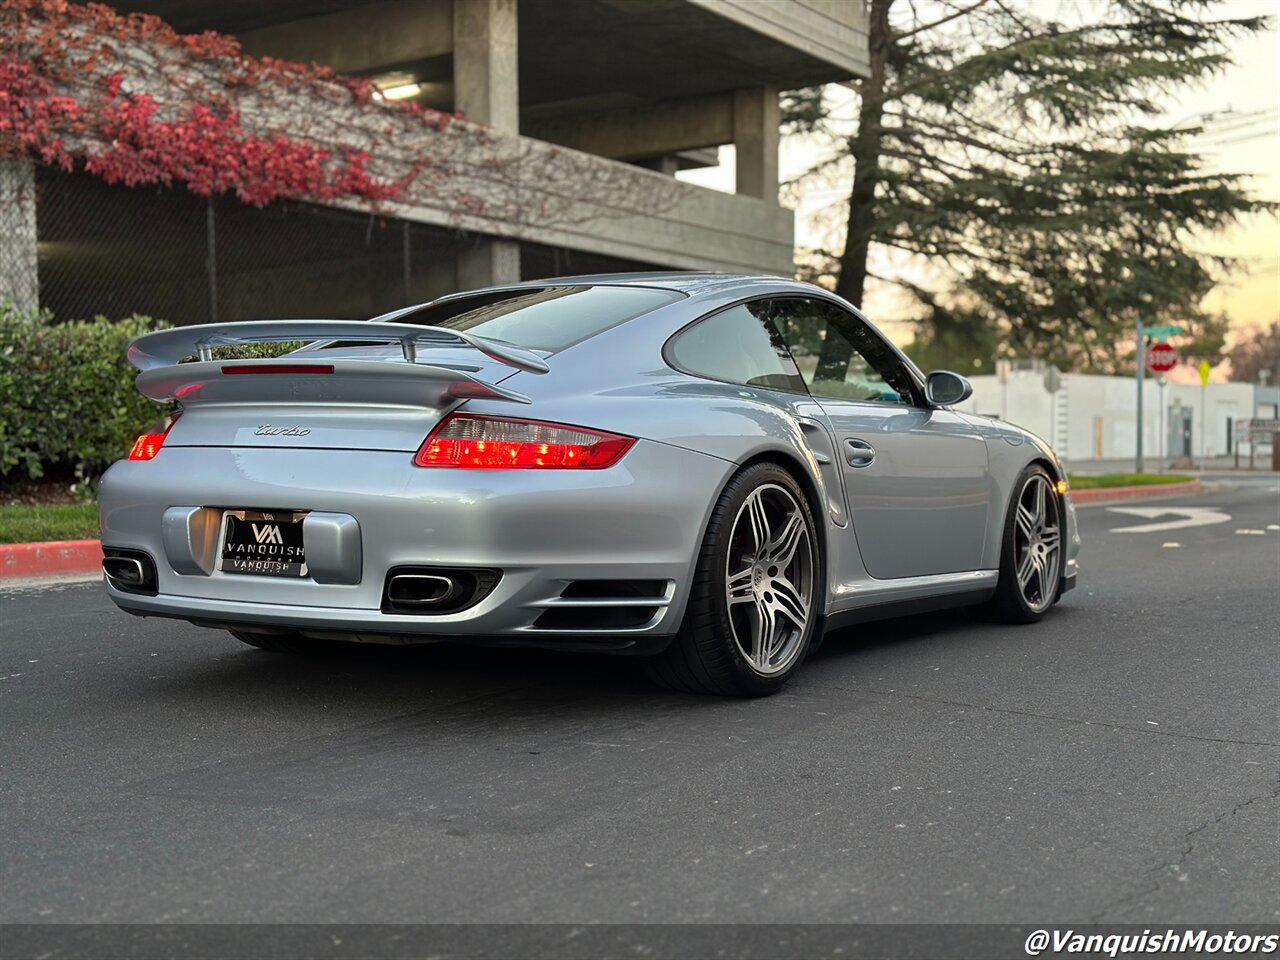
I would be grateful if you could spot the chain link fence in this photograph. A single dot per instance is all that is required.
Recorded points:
(166, 253)
(115, 251)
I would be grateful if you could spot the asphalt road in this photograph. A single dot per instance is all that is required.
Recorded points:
(1116, 763)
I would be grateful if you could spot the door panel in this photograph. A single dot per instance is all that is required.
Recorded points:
(916, 478)
(920, 503)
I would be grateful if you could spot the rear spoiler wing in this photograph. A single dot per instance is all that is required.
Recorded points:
(162, 376)
(165, 347)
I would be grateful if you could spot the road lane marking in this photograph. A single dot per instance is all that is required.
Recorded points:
(1251, 533)
(1172, 545)
(1187, 517)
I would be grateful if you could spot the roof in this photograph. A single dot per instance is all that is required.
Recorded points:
(684, 281)
(688, 282)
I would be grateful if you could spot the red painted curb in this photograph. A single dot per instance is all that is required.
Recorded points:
(1107, 494)
(48, 559)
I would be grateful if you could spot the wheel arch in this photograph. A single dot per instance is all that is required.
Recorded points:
(1055, 471)
(795, 466)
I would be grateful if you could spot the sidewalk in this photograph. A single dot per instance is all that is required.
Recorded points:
(1262, 465)
(1117, 494)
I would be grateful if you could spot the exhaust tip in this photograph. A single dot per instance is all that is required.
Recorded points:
(426, 591)
(125, 570)
(421, 589)
(129, 570)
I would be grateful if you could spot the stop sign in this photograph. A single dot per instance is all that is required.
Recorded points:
(1161, 357)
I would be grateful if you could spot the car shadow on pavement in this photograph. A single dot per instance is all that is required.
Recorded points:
(381, 673)
(917, 628)
(968, 625)
(219, 669)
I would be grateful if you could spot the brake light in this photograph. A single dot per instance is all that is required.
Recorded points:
(148, 444)
(288, 369)
(497, 443)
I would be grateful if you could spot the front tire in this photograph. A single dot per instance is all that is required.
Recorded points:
(756, 601)
(1031, 557)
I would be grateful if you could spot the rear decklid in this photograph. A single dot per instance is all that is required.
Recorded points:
(371, 385)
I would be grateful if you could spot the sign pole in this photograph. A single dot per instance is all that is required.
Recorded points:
(1204, 370)
(1204, 426)
(1163, 430)
(1141, 368)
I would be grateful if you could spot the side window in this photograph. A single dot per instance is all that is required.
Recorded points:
(739, 345)
(838, 356)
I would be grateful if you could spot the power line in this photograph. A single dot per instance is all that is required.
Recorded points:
(1242, 139)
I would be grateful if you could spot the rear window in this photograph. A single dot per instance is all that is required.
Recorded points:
(543, 318)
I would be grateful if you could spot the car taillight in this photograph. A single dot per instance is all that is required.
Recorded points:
(148, 444)
(497, 443)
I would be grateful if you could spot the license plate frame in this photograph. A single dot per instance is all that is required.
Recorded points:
(263, 543)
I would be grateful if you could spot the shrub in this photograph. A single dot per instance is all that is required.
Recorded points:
(67, 399)
(66, 393)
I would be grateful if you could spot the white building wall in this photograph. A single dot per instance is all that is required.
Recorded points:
(1095, 417)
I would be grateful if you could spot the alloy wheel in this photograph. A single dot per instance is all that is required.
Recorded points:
(769, 579)
(1037, 543)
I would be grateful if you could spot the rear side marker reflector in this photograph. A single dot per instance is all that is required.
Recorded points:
(281, 368)
(499, 443)
(148, 444)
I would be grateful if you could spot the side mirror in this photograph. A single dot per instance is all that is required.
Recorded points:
(942, 388)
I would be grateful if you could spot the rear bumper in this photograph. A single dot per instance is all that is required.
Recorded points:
(639, 520)
(372, 626)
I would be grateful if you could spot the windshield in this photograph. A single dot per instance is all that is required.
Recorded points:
(542, 318)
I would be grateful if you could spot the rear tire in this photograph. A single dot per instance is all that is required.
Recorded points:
(292, 643)
(756, 601)
(1032, 550)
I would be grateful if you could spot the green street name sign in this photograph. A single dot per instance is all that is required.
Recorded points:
(1162, 331)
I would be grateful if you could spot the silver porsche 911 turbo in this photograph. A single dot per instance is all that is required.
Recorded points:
(704, 471)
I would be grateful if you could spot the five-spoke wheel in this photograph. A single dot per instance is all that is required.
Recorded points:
(1037, 542)
(769, 578)
(756, 601)
(1031, 561)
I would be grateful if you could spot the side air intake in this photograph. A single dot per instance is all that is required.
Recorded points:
(606, 606)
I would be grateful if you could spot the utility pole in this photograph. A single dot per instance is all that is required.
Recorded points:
(1141, 364)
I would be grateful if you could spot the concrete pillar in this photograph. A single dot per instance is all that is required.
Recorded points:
(491, 262)
(668, 164)
(19, 281)
(756, 122)
(485, 79)
(486, 89)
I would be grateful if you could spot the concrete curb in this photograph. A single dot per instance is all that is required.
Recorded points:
(1108, 494)
(27, 560)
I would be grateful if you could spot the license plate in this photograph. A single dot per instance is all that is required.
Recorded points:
(263, 544)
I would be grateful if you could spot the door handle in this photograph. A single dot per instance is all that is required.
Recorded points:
(858, 453)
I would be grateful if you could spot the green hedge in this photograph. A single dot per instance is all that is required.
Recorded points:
(67, 399)
(66, 393)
